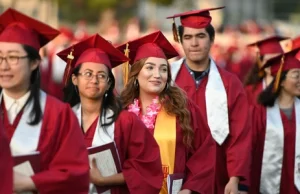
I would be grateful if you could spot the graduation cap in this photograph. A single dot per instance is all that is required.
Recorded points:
(193, 19)
(267, 47)
(152, 45)
(18, 28)
(296, 42)
(93, 49)
(282, 63)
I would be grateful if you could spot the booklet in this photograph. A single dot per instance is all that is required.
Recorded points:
(108, 163)
(27, 164)
(175, 182)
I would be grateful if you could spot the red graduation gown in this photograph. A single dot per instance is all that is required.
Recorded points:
(197, 163)
(6, 163)
(287, 185)
(139, 155)
(232, 157)
(64, 161)
(253, 93)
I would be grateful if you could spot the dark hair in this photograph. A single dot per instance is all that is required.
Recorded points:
(267, 97)
(71, 96)
(209, 29)
(253, 77)
(34, 87)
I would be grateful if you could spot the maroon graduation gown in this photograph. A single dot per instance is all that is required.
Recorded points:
(253, 93)
(6, 163)
(64, 161)
(139, 155)
(287, 185)
(233, 156)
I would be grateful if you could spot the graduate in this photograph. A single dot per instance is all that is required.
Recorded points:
(259, 78)
(186, 146)
(90, 91)
(6, 163)
(276, 154)
(33, 120)
(220, 97)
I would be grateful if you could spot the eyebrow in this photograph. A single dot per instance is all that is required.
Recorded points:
(200, 33)
(12, 51)
(150, 63)
(93, 71)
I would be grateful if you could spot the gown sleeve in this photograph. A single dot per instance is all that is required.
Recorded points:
(201, 160)
(142, 169)
(66, 166)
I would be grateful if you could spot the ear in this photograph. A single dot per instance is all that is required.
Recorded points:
(34, 64)
(74, 80)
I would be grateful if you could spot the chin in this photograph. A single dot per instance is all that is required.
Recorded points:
(155, 91)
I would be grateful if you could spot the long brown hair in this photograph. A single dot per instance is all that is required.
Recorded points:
(172, 98)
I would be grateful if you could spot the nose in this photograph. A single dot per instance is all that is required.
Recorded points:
(194, 41)
(4, 65)
(156, 73)
(95, 79)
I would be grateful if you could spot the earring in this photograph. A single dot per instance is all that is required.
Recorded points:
(105, 95)
(136, 83)
(167, 86)
(75, 86)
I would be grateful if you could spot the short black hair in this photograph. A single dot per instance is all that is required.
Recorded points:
(209, 29)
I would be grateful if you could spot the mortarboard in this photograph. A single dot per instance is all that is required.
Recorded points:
(282, 63)
(93, 49)
(193, 19)
(19, 28)
(152, 45)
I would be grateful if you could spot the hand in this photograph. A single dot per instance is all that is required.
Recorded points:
(95, 175)
(185, 191)
(22, 183)
(232, 186)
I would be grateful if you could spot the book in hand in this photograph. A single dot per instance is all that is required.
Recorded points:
(175, 182)
(27, 164)
(108, 163)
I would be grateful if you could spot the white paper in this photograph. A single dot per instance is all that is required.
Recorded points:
(24, 168)
(176, 187)
(105, 163)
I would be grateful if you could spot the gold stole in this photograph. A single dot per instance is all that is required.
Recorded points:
(165, 136)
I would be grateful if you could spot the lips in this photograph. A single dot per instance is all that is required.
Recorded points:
(6, 77)
(155, 82)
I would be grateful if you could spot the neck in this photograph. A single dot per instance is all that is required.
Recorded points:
(268, 79)
(198, 65)
(16, 94)
(285, 100)
(146, 100)
(90, 106)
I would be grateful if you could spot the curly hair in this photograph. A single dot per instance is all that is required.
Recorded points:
(172, 98)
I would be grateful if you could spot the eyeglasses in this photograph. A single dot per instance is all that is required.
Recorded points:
(12, 60)
(89, 76)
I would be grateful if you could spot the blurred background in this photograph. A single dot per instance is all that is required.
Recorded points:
(240, 23)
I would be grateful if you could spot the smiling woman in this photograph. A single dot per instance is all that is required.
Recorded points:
(174, 121)
(90, 91)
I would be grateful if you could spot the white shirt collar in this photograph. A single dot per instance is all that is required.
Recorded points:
(9, 101)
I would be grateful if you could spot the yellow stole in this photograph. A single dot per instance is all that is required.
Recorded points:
(165, 136)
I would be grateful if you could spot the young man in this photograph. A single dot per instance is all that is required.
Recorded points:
(221, 98)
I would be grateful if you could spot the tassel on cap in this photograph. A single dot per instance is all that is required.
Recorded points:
(261, 72)
(70, 58)
(125, 66)
(278, 75)
(174, 29)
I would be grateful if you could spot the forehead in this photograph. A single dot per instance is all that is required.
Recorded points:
(193, 31)
(95, 67)
(10, 46)
(157, 61)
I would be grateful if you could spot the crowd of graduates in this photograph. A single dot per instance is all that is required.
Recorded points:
(221, 124)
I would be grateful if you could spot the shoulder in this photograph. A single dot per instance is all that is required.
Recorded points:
(55, 104)
(126, 116)
(229, 77)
